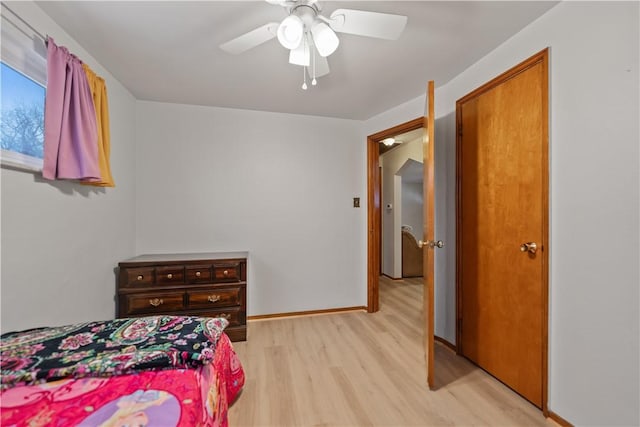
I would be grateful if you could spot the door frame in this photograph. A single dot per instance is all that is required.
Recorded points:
(374, 213)
(543, 58)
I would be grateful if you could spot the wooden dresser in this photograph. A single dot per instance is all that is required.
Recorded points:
(199, 284)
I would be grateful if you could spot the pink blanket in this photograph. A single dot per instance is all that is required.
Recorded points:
(174, 397)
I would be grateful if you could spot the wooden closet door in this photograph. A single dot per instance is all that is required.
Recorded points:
(503, 195)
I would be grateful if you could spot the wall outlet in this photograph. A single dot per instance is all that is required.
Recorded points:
(356, 202)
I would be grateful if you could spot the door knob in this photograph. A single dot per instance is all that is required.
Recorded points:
(431, 244)
(530, 247)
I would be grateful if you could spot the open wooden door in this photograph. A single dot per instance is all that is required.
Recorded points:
(429, 231)
(428, 241)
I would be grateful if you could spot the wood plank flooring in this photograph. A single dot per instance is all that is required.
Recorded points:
(359, 369)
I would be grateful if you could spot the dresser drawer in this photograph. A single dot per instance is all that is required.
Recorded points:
(139, 276)
(199, 274)
(213, 298)
(226, 272)
(170, 275)
(154, 302)
(232, 314)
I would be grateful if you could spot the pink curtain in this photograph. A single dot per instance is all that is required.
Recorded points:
(70, 129)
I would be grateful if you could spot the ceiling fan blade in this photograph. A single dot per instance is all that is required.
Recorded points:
(300, 55)
(322, 66)
(370, 24)
(251, 39)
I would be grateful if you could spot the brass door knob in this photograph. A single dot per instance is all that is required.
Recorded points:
(530, 247)
(431, 244)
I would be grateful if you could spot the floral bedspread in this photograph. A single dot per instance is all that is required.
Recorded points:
(166, 398)
(107, 348)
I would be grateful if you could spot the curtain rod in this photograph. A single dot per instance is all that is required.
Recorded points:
(36, 32)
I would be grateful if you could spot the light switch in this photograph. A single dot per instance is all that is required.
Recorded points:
(356, 202)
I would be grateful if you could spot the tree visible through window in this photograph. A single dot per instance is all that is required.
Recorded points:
(22, 114)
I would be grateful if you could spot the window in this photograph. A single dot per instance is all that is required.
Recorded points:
(22, 116)
(23, 71)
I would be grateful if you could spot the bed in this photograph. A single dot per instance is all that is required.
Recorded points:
(146, 371)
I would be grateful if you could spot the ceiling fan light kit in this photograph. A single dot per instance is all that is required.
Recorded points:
(305, 31)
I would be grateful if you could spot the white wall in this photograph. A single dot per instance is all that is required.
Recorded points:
(445, 225)
(594, 250)
(391, 162)
(278, 185)
(395, 219)
(61, 241)
(412, 201)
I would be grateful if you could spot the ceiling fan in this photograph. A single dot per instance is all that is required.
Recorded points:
(311, 37)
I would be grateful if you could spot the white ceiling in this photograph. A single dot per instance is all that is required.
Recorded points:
(168, 51)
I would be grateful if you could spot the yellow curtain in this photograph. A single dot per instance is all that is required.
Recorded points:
(101, 103)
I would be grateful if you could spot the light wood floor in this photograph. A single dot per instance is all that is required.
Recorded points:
(359, 369)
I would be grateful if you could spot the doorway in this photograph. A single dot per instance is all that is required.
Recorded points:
(374, 184)
(502, 227)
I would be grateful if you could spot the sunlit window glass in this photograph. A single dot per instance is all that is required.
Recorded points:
(22, 113)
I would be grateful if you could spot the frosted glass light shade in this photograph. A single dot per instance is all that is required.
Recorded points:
(290, 32)
(324, 38)
(300, 55)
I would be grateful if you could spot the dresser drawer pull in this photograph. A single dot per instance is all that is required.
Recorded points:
(140, 277)
(213, 298)
(198, 274)
(169, 276)
(226, 272)
(225, 315)
(156, 302)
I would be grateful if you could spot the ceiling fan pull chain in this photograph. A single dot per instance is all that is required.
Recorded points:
(305, 46)
(304, 77)
(314, 81)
